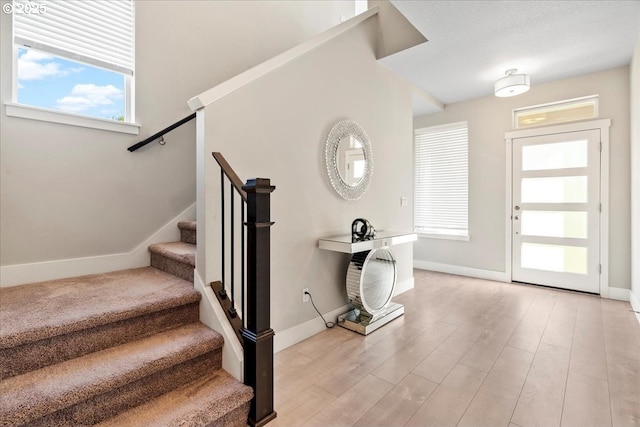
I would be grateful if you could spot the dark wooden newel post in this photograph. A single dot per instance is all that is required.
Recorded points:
(258, 335)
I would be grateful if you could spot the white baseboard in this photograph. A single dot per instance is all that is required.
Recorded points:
(404, 286)
(499, 276)
(635, 304)
(301, 332)
(620, 294)
(12, 275)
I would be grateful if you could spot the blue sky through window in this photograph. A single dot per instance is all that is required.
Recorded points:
(49, 81)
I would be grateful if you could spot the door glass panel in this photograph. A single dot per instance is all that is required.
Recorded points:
(554, 224)
(558, 155)
(562, 259)
(557, 189)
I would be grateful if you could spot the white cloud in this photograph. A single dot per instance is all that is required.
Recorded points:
(35, 56)
(86, 96)
(33, 65)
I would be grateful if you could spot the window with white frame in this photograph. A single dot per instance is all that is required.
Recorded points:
(569, 110)
(442, 181)
(75, 57)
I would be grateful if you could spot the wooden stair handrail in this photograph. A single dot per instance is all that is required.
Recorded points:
(231, 174)
(253, 329)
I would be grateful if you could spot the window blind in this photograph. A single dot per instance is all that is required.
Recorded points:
(98, 33)
(442, 180)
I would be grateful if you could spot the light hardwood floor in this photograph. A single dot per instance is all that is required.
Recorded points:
(470, 352)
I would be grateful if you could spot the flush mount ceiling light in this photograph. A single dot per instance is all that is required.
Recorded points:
(513, 84)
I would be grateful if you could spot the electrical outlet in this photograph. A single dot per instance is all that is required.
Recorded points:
(305, 296)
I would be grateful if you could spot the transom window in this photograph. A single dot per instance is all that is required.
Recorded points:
(569, 110)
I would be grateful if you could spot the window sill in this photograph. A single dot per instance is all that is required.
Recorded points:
(443, 236)
(46, 115)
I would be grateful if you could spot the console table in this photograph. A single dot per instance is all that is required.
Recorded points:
(370, 279)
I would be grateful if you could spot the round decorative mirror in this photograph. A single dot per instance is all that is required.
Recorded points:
(349, 159)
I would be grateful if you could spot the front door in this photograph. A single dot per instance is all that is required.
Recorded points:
(556, 210)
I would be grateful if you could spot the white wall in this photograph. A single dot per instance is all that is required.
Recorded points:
(69, 192)
(635, 180)
(489, 118)
(276, 128)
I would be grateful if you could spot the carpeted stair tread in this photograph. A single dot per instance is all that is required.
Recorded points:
(37, 393)
(177, 258)
(187, 225)
(203, 402)
(124, 348)
(178, 251)
(66, 305)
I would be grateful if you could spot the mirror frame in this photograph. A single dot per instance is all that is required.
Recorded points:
(338, 131)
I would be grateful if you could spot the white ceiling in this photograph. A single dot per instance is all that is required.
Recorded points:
(472, 43)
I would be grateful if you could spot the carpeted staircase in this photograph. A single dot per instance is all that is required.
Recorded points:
(118, 349)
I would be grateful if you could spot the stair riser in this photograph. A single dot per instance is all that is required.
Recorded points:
(106, 405)
(187, 231)
(171, 266)
(215, 399)
(236, 418)
(36, 355)
(188, 236)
